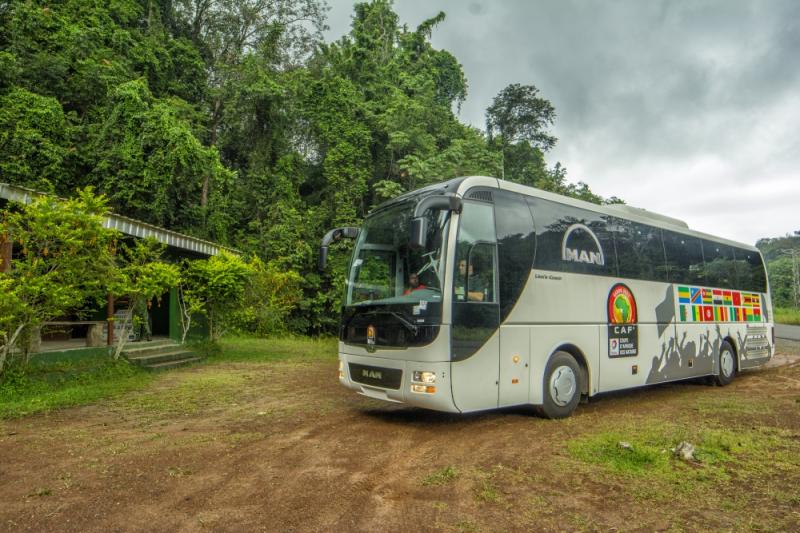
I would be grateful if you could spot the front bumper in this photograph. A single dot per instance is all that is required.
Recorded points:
(391, 380)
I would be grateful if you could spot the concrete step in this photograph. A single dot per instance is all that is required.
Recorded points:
(174, 364)
(147, 350)
(151, 358)
(155, 341)
(160, 354)
(141, 348)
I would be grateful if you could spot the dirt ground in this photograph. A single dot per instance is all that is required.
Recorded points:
(282, 447)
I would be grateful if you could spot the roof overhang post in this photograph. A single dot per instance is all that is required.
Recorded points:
(6, 247)
(110, 314)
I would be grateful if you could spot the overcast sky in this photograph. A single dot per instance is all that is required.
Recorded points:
(688, 108)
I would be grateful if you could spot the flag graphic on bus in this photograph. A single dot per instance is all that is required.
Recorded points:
(700, 304)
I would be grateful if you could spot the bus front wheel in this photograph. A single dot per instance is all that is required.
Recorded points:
(562, 386)
(726, 365)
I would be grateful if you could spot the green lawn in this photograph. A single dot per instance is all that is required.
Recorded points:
(44, 387)
(252, 349)
(787, 315)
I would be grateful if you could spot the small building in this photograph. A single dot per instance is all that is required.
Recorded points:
(97, 328)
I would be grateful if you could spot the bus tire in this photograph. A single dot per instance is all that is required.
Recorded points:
(726, 364)
(562, 386)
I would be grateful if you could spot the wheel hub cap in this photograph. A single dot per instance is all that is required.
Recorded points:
(562, 385)
(726, 363)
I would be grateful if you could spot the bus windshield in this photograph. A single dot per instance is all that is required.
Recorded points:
(385, 270)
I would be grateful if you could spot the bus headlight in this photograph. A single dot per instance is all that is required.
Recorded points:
(422, 376)
(341, 369)
(426, 389)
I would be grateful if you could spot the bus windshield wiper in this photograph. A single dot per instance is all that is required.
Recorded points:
(413, 328)
(406, 322)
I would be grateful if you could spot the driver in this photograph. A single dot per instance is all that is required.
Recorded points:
(413, 284)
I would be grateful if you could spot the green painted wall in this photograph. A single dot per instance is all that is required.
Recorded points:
(174, 316)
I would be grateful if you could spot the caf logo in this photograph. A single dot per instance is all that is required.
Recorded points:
(621, 305)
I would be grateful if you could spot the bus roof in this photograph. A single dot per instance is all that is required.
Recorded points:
(625, 211)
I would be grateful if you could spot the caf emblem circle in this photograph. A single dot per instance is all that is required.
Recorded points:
(621, 305)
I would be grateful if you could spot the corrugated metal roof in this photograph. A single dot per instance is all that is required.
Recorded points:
(129, 226)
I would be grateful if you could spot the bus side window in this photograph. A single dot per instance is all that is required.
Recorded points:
(684, 258)
(569, 239)
(516, 246)
(475, 254)
(750, 270)
(640, 251)
(480, 280)
(720, 266)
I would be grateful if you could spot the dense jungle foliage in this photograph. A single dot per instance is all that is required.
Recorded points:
(233, 120)
(782, 256)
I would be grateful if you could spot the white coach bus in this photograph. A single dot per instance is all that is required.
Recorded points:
(478, 293)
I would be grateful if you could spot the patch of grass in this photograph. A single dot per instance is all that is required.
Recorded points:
(192, 394)
(441, 477)
(787, 315)
(581, 522)
(177, 471)
(485, 480)
(652, 472)
(735, 405)
(487, 491)
(252, 349)
(42, 388)
(467, 526)
(647, 452)
(40, 491)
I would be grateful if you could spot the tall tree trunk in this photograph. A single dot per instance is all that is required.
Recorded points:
(215, 119)
(8, 345)
(123, 336)
(6, 248)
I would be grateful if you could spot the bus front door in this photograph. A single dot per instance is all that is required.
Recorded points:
(475, 336)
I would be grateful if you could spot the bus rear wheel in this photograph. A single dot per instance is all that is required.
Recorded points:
(726, 365)
(562, 386)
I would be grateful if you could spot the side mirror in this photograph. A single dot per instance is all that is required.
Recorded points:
(418, 230)
(323, 258)
(333, 235)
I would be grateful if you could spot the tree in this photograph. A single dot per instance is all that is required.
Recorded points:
(149, 162)
(139, 278)
(228, 32)
(516, 124)
(398, 90)
(518, 114)
(13, 313)
(464, 156)
(34, 135)
(270, 295)
(190, 305)
(64, 260)
(216, 286)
